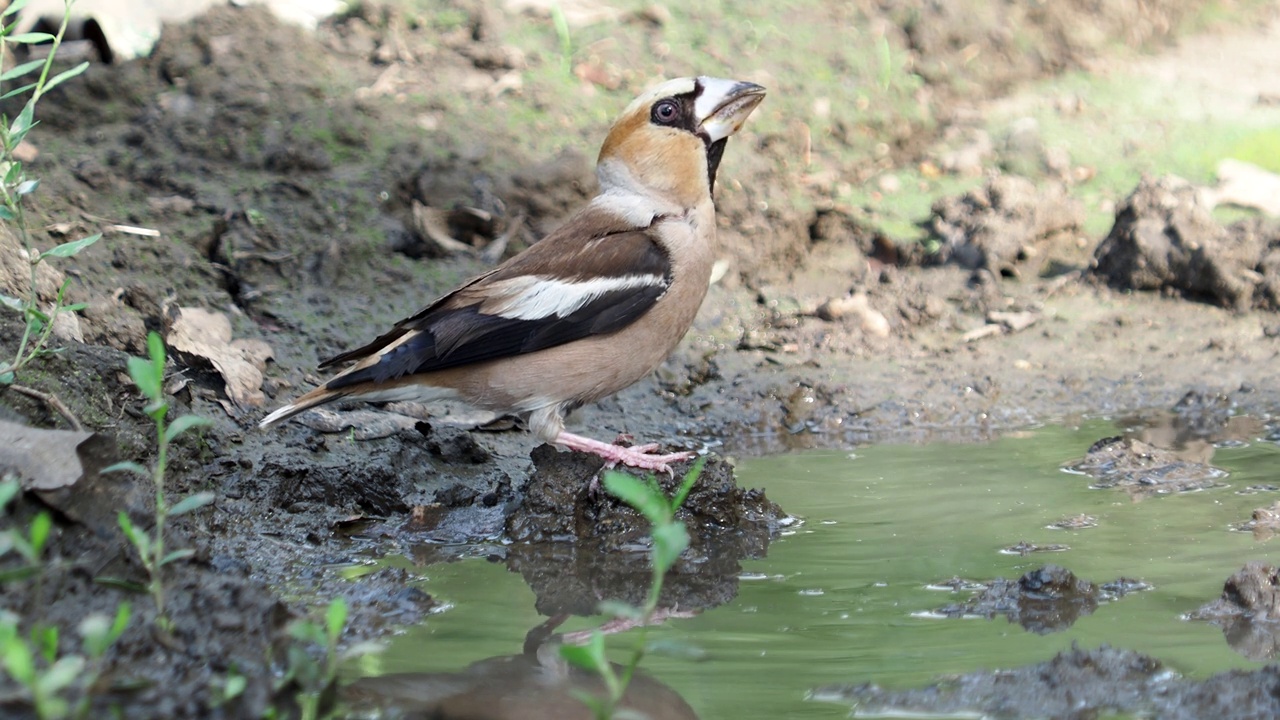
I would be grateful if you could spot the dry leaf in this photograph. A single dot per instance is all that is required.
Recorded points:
(200, 333)
(42, 459)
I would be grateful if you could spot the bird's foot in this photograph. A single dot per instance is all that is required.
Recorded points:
(640, 456)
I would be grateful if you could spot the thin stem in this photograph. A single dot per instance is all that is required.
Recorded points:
(162, 512)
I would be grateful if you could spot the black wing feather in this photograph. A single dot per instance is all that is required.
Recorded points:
(490, 337)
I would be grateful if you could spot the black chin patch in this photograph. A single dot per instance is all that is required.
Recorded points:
(715, 151)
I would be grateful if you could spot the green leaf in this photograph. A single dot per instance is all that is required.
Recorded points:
(690, 479)
(45, 639)
(74, 307)
(13, 174)
(6, 213)
(121, 583)
(639, 495)
(156, 409)
(588, 657)
(9, 490)
(70, 248)
(64, 76)
(127, 466)
(6, 377)
(177, 555)
(93, 628)
(60, 675)
(17, 91)
(30, 38)
(14, 7)
(668, 542)
(155, 348)
(619, 609)
(141, 541)
(886, 62)
(192, 502)
(123, 612)
(37, 315)
(23, 123)
(183, 424)
(20, 573)
(233, 686)
(20, 70)
(40, 527)
(335, 618)
(20, 662)
(140, 371)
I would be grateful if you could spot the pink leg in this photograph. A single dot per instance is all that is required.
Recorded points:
(638, 457)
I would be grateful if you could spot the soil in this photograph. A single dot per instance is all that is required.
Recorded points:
(313, 188)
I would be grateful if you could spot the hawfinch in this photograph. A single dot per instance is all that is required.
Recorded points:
(591, 308)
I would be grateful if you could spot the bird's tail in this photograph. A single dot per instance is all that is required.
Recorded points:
(319, 396)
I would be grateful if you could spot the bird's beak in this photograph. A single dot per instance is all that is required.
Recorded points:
(724, 105)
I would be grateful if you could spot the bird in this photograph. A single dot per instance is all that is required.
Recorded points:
(588, 310)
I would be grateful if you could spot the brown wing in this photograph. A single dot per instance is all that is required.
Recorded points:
(623, 267)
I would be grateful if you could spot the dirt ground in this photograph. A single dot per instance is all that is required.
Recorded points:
(312, 188)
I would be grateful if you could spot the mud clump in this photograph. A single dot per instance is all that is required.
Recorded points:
(1043, 601)
(1078, 684)
(1142, 469)
(1248, 611)
(1164, 238)
(559, 506)
(1008, 226)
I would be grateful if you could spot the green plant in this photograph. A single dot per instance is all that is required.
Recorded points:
(314, 678)
(15, 186)
(29, 545)
(48, 678)
(561, 24)
(669, 539)
(148, 375)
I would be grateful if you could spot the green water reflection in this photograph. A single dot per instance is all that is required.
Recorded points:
(835, 601)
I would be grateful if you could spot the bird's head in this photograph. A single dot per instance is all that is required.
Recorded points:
(669, 141)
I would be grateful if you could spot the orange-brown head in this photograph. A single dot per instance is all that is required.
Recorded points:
(668, 142)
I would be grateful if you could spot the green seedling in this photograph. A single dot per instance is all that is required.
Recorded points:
(29, 545)
(49, 679)
(669, 539)
(314, 678)
(148, 374)
(16, 186)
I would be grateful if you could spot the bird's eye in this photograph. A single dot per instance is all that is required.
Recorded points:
(666, 112)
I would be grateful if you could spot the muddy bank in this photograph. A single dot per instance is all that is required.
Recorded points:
(1078, 684)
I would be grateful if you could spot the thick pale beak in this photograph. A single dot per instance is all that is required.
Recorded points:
(724, 105)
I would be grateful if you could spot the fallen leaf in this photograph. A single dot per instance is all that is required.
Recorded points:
(42, 459)
(199, 333)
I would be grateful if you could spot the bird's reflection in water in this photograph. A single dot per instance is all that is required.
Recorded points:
(567, 580)
(533, 685)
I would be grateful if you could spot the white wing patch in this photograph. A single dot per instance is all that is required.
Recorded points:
(534, 297)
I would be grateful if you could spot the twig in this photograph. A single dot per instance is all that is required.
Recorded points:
(52, 401)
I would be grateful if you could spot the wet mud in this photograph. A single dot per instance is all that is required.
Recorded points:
(1045, 600)
(1079, 684)
(306, 198)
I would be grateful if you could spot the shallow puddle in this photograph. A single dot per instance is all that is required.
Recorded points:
(845, 597)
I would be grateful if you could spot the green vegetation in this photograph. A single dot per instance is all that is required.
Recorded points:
(669, 539)
(148, 375)
(15, 186)
(316, 679)
(59, 684)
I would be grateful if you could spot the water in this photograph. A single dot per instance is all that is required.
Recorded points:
(840, 599)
